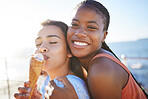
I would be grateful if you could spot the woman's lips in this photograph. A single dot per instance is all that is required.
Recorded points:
(45, 57)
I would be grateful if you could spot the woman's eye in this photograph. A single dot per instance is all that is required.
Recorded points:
(74, 25)
(52, 42)
(92, 28)
(37, 45)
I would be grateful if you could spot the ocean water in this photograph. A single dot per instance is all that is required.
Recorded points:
(137, 58)
(18, 65)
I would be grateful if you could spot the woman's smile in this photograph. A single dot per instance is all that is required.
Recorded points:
(80, 44)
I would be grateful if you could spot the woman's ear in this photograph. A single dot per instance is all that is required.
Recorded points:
(104, 36)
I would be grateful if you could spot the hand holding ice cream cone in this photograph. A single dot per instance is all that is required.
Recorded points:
(24, 92)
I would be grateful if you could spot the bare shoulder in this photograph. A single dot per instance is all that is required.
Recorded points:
(106, 78)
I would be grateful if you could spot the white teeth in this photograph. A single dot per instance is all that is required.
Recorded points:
(80, 43)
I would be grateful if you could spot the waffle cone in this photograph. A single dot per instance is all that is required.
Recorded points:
(34, 72)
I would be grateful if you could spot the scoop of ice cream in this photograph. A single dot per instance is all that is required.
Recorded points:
(38, 57)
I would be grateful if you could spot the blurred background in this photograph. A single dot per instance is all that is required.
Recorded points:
(20, 22)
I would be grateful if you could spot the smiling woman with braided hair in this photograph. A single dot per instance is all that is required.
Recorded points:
(108, 77)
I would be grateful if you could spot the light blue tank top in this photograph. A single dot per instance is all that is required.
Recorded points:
(78, 84)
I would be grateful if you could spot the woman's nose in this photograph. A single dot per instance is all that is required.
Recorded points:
(43, 50)
(80, 34)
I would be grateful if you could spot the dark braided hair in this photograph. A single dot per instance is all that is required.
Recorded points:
(106, 47)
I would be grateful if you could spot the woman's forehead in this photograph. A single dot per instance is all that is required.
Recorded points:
(51, 31)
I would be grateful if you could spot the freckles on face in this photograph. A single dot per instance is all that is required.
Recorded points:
(86, 21)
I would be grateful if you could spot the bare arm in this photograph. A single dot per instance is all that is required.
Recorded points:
(106, 79)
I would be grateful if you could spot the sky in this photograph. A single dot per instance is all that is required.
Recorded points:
(20, 20)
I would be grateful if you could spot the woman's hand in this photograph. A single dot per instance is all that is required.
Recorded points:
(24, 92)
(67, 92)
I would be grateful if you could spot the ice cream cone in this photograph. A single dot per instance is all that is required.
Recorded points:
(36, 65)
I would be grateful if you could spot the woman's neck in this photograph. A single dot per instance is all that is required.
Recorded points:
(58, 72)
(85, 61)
